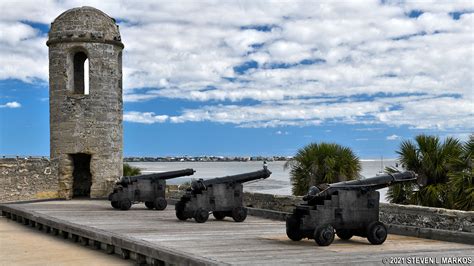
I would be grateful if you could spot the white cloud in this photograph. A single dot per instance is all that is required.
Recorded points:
(382, 110)
(426, 113)
(23, 52)
(369, 129)
(278, 114)
(145, 118)
(375, 65)
(279, 132)
(393, 137)
(11, 105)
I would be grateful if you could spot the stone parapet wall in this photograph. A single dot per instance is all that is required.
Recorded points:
(427, 217)
(27, 178)
(271, 202)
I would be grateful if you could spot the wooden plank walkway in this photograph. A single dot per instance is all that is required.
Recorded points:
(160, 235)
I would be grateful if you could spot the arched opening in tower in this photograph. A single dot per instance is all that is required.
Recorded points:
(82, 177)
(81, 73)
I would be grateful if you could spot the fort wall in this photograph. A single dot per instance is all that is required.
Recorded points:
(27, 179)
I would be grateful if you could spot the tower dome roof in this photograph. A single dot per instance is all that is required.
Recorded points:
(84, 24)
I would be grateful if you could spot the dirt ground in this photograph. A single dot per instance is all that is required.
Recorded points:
(21, 245)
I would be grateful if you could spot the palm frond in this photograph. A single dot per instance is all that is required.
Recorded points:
(129, 170)
(319, 163)
(443, 167)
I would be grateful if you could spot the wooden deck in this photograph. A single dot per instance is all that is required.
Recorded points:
(159, 235)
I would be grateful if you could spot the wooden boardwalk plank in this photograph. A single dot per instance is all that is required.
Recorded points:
(255, 241)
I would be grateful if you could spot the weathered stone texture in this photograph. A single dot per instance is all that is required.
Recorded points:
(25, 179)
(271, 202)
(427, 217)
(79, 123)
(85, 24)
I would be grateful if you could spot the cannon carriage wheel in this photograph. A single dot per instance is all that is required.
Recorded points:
(324, 235)
(115, 204)
(201, 215)
(376, 233)
(293, 228)
(150, 205)
(179, 207)
(125, 204)
(160, 203)
(219, 215)
(344, 234)
(239, 214)
(180, 216)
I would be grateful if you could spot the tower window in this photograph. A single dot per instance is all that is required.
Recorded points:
(81, 73)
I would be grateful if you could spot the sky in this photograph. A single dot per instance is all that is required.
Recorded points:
(244, 78)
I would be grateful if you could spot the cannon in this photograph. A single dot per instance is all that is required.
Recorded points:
(148, 188)
(223, 196)
(347, 209)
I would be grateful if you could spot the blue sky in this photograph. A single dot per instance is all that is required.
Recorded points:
(266, 78)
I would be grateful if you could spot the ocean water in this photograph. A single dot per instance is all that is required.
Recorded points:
(278, 183)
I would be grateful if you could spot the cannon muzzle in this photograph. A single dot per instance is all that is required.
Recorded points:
(200, 185)
(156, 176)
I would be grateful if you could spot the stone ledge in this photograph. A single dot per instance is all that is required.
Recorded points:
(429, 233)
(268, 214)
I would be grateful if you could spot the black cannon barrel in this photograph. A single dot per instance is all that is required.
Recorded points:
(201, 184)
(157, 176)
(372, 183)
(377, 182)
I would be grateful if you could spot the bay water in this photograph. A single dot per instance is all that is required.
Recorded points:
(278, 183)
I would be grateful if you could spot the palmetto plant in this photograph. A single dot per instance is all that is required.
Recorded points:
(129, 170)
(400, 193)
(444, 169)
(461, 182)
(319, 163)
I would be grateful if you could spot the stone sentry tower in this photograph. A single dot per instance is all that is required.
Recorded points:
(85, 100)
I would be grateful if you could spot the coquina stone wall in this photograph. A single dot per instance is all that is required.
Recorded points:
(395, 214)
(427, 217)
(27, 178)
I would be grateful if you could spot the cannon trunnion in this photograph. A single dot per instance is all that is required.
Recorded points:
(346, 209)
(222, 196)
(148, 188)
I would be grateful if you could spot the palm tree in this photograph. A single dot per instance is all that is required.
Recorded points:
(461, 181)
(432, 160)
(400, 193)
(129, 170)
(319, 163)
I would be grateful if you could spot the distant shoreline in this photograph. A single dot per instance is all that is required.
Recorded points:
(230, 160)
(195, 159)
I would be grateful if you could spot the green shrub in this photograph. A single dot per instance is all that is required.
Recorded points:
(319, 163)
(129, 170)
(445, 169)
